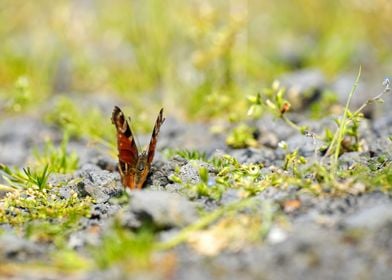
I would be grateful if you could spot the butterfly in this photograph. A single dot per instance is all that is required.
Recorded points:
(133, 166)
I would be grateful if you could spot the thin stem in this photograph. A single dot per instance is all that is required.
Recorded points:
(342, 125)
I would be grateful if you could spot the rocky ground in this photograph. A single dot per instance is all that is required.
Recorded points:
(303, 235)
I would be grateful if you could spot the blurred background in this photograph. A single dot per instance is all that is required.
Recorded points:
(197, 58)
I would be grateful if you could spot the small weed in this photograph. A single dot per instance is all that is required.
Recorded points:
(376, 174)
(292, 160)
(186, 154)
(241, 137)
(217, 59)
(58, 159)
(335, 145)
(207, 187)
(26, 178)
(346, 136)
(276, 104)
(77, 123)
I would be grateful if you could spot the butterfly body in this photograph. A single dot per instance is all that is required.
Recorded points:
(133, 166)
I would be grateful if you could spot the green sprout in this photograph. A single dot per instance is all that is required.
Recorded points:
(207, 187)
(272, 100)
(26, 178)
(292, 160)
(58, 159)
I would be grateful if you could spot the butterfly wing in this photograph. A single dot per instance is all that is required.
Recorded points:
(127, 149)
(154, 137)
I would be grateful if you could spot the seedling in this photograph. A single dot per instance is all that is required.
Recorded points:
(58, 159)
(26, 178)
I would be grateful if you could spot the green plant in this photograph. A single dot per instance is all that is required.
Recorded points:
(26, 178)
(218, 59)
(335, 145)
(207, 187)
(274, 103)
(22, 95)
(292, 160)
(21, 207)
(244, 177)
(186, 154)
(242, 136)
(130, 250)
(58, 159)
(78, 123)
(348, 126)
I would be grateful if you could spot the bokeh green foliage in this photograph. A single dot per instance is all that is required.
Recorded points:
(202, 55)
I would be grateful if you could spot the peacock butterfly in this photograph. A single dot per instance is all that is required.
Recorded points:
(133, 166)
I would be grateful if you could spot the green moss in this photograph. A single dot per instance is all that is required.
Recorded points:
(20, 207)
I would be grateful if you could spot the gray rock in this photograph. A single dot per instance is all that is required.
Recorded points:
(303, 87)
(101, 185)
(343, 85)
(18, 135)
(175, 134)
(371, 218)
(189, 173)
(306, 145)
(383, 125)
(272, 125)
(16, 248)
(162, 209)
(252, 155)
(161, 171)
(230, 196)
(347, 160)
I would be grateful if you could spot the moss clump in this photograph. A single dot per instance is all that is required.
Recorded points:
(20, 207)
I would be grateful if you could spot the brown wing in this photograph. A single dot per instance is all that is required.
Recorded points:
(154, 136)
(127, 149)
